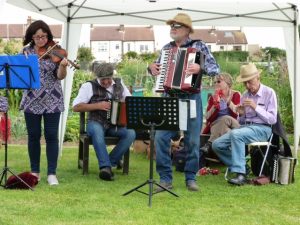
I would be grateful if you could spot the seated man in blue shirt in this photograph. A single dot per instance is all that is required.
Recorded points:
(257, 112)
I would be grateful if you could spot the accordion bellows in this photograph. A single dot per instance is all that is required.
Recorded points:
(173, 76)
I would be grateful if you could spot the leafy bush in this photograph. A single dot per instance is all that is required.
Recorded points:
(18, 126)
(85, 57)
(132, 71)
(240, 56)
(275, 53)
(130, 55)
(10, 47)
(72, 126)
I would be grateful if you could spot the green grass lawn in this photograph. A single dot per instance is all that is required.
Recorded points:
(88, 200)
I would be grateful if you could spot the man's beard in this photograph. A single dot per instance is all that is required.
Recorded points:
(175, 37)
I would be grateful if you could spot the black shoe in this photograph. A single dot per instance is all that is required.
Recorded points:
(106, 174)
(240, 179)
(205, 148)
(120, 164)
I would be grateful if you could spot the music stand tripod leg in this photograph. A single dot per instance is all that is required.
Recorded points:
(19, 178)
(6, 169)
(150, 181)
(151, 113)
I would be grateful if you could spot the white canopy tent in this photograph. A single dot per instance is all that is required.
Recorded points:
(263, 13)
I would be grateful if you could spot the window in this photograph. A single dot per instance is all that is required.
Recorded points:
(128, 47)
(141, 48)
(144, 48)
(117, 46)
(102, 47)
(222, 48)
(237, 48)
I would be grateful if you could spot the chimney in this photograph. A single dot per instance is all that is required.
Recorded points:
(29, 20)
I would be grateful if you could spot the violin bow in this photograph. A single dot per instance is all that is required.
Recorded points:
(48, 50)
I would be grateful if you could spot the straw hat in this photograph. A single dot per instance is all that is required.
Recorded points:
(247, 72)
(182, 18)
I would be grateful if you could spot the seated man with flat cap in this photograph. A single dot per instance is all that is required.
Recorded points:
(257, 112)
(95, 97)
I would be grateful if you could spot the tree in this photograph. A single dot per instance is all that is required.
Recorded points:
(10, 47)
(85, 57)
(276, 53)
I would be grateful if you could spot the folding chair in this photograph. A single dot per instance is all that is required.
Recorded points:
(259, 146)
(268, 145)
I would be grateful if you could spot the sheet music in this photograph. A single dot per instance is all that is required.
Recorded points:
(183, 114)
(193, 110)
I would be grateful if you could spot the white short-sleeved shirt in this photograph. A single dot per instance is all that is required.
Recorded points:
(86, 92)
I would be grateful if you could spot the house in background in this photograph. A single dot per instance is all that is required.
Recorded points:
(17, 31)
(222, 40)
(110, 43)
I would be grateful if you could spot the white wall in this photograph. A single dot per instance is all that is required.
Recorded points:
(113, 49)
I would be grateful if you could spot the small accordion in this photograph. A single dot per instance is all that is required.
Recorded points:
(284, 170)
(174, 62)
(117, 114)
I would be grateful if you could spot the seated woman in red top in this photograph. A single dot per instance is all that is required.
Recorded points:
(221, 111)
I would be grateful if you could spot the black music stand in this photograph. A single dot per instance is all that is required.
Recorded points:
(154, 113)
(16, 72)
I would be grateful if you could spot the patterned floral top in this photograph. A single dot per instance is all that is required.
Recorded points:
(49, 97)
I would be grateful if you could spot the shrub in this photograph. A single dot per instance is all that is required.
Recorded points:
(85, 57)
(233, 56)
(18, 126)
(72, 126)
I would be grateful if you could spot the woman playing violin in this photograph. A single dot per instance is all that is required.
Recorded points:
(45, 102)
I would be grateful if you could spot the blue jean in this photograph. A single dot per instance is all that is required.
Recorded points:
(98, 132)
(191, 140)
(231, 147)
(34, 124)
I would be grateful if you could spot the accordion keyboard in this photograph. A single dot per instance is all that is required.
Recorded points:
(163, 70)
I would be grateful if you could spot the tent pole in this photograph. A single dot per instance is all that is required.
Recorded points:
(296, 91)
(62, 116)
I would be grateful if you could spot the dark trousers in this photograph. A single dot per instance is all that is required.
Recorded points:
(34, 126)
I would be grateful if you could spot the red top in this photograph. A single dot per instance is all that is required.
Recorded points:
(213, 108)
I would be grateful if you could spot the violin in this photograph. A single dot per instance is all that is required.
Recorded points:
(56, 53)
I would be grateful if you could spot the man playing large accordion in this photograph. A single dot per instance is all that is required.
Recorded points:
(180, 28)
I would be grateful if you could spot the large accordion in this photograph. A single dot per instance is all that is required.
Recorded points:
(284, 170)
(173, 76)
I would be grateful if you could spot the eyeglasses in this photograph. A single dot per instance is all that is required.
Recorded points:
(43, 37)
(176, 26)
(218, 81)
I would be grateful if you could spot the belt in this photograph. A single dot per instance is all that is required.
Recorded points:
(253, 123)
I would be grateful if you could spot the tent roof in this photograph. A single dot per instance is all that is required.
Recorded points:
(262, 13)
(142, 12)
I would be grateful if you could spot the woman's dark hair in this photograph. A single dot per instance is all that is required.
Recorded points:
(33, 28)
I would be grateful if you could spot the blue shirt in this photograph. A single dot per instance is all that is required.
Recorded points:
(266, 106)
(224, 110)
